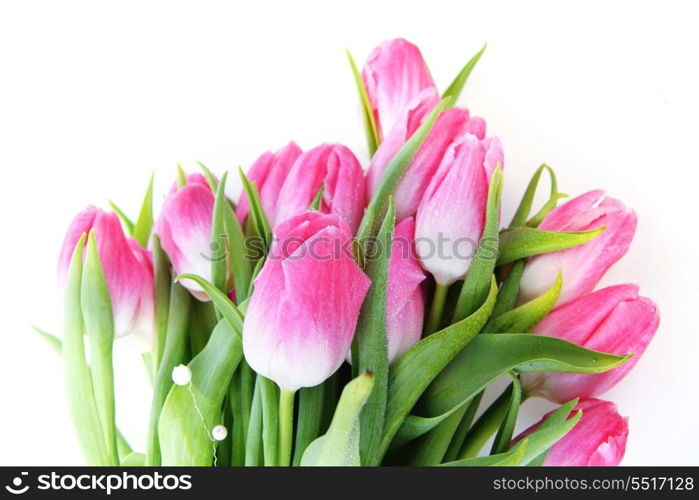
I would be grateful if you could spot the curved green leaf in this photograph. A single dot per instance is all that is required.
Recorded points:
(97, 314)
(413, 372)
(525, 206)
(81, 398)
(144, 222)
(507, 427)
(220, 300)
(257, 213)
(370, 346)
(505, 459)
(455, 88)
(524, 317)
(187, 417)
(489, 356)
(475, 287)
(125, 221)
(134, 459)
(370, 128)
(520, 242)
(340, 445)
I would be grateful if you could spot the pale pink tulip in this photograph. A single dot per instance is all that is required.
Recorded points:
(128, 270)
(598, 439)
(184, 228)
(582, 266)
(269, 173)
(448, 127)
(303, 312)
(615, 320)
(332, 166)
(394, 73)
(406, 300)
(451, 215)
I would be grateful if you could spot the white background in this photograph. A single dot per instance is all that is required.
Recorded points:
(94, 96)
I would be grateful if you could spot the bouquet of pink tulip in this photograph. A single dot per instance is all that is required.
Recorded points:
(332, 316)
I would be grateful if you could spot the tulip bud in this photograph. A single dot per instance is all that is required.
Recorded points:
(451, 215)
(406, 301)
(615, 320)
(269, 173)
(303, 312)
(394, 73)
(598, 439)
(334, 167)
(448, 127)
(184, 228)
(128, 270)
(582, 266)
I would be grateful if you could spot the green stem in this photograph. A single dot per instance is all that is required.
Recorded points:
(435, 316)
(286, 426)
(486, 425)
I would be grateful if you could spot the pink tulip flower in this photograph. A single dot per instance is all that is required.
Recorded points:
(451, 215)
(582, 266)
(598, 439)
(449, 126)
(127, 268)
(406, 300)
(269, 173)
(334, 167)
(615, 320)
(184, 228)
(303, 312)
(394, 74)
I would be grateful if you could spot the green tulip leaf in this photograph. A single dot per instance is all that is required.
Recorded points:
(504, 435)
(340, 445)
(525, 206)
(257, 213)
(455, 88)
(506, 459)
(81, 399)
(190, 412)
(490, 356)
(370, 345)
(477, 283)
(520, 242)
(97, 314)
(134, 459)
(413, 372)
(125, 221)
(174, 352)
(144, 221)
(524, 317)
(370, 128)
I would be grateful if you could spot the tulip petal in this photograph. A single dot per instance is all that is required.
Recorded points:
(394, 73)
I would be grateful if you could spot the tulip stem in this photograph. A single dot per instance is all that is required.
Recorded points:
(435, 317)
(286, 426)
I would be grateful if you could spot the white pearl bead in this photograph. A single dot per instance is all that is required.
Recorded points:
(181, 375)
(219, 433)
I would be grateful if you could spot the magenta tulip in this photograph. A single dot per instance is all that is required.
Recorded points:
(615, 320)
(451, 215)
(394, 74)
(449, 126)
(127, 267)
(303, 312)
(269, 173)
(598, 439)
(332, 166)
(184, 228)
(582, 266)
(406, 301)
